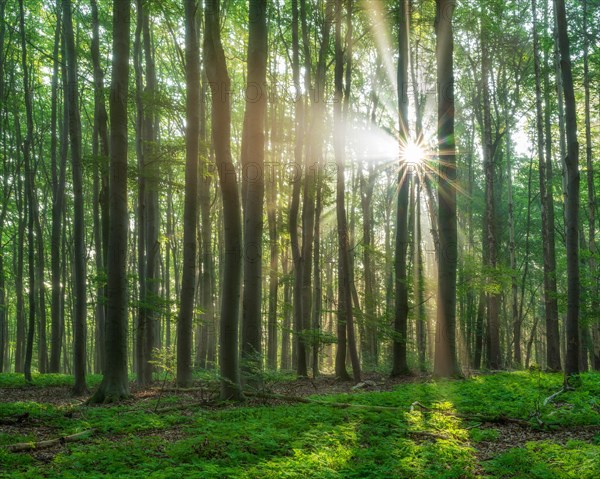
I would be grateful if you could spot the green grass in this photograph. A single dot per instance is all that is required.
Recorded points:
(16, 380)
(316, 441)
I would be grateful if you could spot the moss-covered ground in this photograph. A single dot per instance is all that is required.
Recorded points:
(467, 432)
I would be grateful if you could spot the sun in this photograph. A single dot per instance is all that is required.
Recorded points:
(412, 153)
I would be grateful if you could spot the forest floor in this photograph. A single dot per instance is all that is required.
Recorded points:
(486, 426)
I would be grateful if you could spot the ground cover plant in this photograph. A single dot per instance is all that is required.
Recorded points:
(493, 425)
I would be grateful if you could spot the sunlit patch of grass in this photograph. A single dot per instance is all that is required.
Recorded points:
(548, 460)
(316, 441)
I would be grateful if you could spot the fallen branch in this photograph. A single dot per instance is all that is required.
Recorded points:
(420, 406)
(552, 397)
(179, 407)
(428, 434)
(502, 419)
(183, 390)
(30, 446)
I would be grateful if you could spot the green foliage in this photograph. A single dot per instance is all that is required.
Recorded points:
(16, 380)
(548, 460)
(315, 441)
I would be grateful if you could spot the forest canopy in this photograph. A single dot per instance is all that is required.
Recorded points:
(317, 186)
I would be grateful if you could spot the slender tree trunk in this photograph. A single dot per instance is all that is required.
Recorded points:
(552, 329)
(551, 307)
(286, 363)
(186, 311)
(344, 284)
(517, 359)
(19, 258)
(140, 224)
(271, 193)
(253, 159)
(115, 385)
(29, 193)
(220, 83)
(299, 343)
(493, 298)
(595, 304)
(445, 363)
(101, 155)
(317, 291)
(370, 354)
(58, 187)
(79, 279)
(420, 312)
(3, 302)
(572, 203)
(208, 268)
(152, 225)
(399, 360)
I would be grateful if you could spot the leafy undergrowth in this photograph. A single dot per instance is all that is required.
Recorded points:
(317, 441)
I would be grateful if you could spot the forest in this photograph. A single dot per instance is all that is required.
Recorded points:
(299, 238)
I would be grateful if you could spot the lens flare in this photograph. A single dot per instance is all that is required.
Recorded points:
(412, 153)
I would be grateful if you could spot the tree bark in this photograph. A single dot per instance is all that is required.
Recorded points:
(29, 193)
(188, 278)
(58, 187)
(253, 159)
(271, 194)
(79, 278)
(445, 363)
(220, 84)
(152, 214)
(572, 203)
(419, 278)
(299, 343)
(493, 298)
(595, 304)
(101, 156)
(115, 385)
(399, 359)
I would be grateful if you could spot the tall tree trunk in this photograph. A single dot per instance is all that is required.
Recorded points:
(58, 187)
(207, 280)
(445, 363)
(220, 84)
(317, 288)
(19, 260)
(595, 304)
(370, 353)
(344, 282)
(552, 329)
(101, 155)
(299, 343)
(399, 360)
(115, 385)
(572, 203)
(29, 193)
(286, 363)
(271, 194)
(419, 280)
(190, 212)
(3, 303)
(3, 315)
(79, 279)
(140, 222)
(517, 358)
(493, 298)
(551, 307)
(253, 159)
(152, 173)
